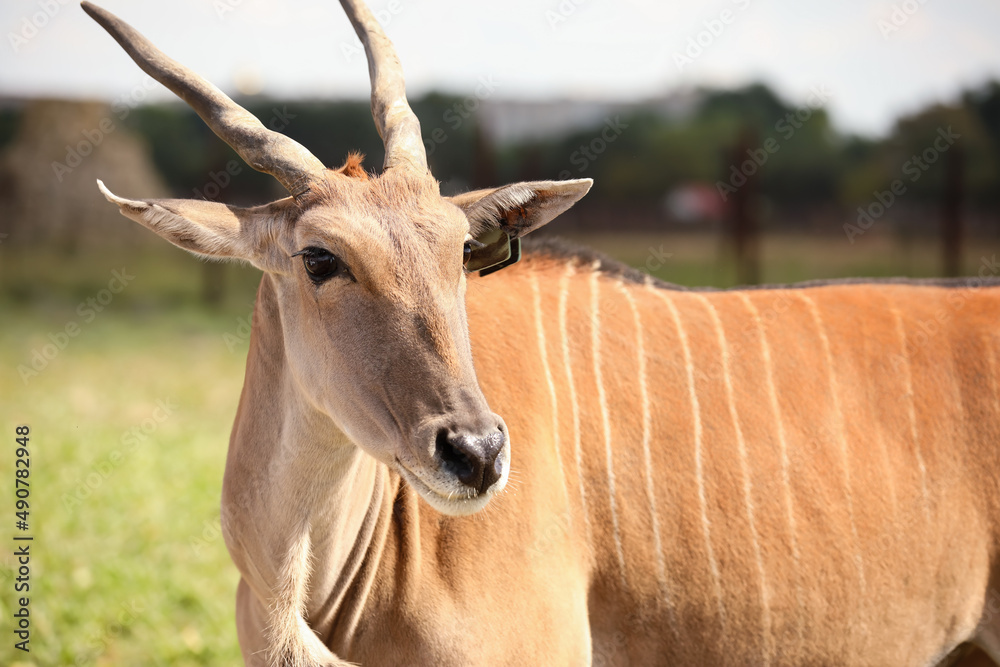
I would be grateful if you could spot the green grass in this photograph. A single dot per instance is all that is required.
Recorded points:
(136, 572)
(128, 564)
(126, 525)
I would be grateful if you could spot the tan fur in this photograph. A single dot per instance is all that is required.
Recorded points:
(821, 461)
(773, 477)
(522, 584)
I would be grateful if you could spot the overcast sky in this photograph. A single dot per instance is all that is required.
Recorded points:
(877, 59)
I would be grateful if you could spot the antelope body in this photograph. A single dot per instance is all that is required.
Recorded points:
(766, 477)
(799, 476)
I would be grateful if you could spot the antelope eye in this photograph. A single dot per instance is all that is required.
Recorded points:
(321, 264)
(470, 247)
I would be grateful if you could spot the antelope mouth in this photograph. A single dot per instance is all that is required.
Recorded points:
(446, 495)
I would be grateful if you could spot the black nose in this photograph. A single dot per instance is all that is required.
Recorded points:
(471, 458)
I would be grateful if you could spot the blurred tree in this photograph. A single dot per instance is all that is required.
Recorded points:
(985, 103)
(637, 157)
(187, 153)
(10, 118)
(756, 104)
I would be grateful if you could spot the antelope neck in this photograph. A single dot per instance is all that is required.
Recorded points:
(316, 497)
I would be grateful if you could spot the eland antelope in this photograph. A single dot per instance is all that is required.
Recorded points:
(567, 462)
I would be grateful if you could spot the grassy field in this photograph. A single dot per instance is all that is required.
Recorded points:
(129, 426)
(130, 418)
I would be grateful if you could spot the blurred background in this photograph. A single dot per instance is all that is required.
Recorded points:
(731, 142)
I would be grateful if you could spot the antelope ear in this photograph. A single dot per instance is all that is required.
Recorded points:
(211, 229)
(519, 208)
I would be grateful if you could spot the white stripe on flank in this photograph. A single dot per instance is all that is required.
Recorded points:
(888, 471)
(647, 428)
(567, 363)
(544, 354)
(713, 566)
(911, 407)
(595, 342)
(992, 356)
(747, 485)
(786, 481)
(841, 436)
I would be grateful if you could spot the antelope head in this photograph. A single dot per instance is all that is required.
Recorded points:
(369, 272)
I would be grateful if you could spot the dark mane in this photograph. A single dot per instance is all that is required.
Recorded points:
(561, 249)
